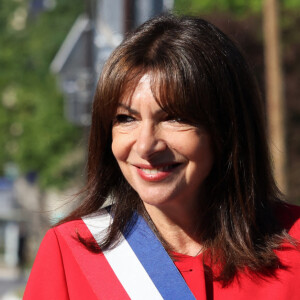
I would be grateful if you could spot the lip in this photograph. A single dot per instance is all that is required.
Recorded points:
(154, 173)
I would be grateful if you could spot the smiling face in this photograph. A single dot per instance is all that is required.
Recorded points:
(164, 159)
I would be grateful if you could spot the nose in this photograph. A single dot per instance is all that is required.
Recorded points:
(149, 141)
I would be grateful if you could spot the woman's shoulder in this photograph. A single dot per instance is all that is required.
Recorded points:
(83, 226)
(289, 216)
(80, 221)
(62, 264)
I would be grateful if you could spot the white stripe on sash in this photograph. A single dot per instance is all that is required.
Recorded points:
(124, 262)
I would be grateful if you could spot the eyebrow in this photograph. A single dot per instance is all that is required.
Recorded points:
(128, 108)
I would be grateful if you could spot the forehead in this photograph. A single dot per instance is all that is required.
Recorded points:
(137, 89)
(164, 88)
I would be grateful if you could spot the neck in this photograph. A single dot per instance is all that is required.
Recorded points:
(177, 229)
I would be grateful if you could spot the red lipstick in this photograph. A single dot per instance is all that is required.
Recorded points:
(156, 173)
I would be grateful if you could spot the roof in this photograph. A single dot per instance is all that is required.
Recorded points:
(80, 26)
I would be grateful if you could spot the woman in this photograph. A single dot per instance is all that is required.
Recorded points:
(178, 145)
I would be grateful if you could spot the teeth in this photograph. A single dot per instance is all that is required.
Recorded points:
(151, 171)
(155, 171)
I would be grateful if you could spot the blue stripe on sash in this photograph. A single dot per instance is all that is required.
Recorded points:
(157, 262)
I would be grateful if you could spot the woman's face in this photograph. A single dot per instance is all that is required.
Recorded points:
(165, 160)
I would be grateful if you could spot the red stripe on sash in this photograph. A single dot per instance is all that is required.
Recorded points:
(94, 266)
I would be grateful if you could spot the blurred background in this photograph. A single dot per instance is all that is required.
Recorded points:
(51, 54)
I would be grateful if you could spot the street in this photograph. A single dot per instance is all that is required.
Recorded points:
(11, 284)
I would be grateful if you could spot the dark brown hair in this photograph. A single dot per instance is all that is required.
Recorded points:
(197, 74)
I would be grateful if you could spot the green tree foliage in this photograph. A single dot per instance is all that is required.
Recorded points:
(33, 131)
(237, 7)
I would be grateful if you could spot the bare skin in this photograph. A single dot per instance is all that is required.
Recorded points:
(179, 233)
(166, 161)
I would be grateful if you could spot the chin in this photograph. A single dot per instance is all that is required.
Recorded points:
(154, 201)
(158, 199)
(153, 198)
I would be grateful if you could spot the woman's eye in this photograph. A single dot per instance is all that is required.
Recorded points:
(174, 119)
(123, 119)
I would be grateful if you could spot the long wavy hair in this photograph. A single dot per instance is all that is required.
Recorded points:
(198, 74)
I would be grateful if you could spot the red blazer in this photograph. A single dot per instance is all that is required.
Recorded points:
(65, 269)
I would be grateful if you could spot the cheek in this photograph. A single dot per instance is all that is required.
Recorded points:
(119, 147)
(201, 151)
(115, 149)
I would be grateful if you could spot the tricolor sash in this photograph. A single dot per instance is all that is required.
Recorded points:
(140, 262)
